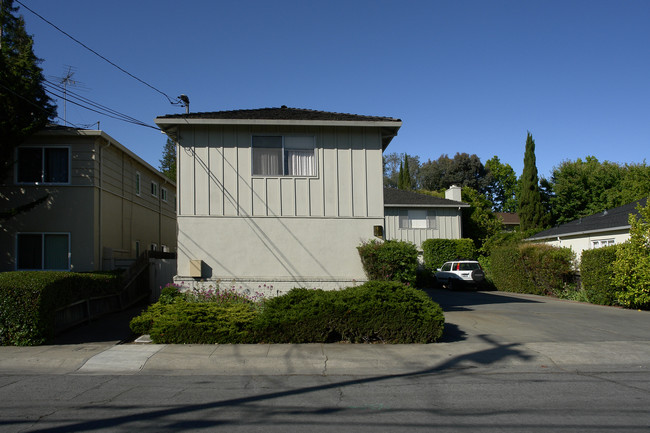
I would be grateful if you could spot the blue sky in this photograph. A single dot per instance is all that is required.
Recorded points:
(464, 76)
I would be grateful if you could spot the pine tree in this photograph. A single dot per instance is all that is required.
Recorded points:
(400, 178)
(531, 211)
(168, 161)
(24, 106)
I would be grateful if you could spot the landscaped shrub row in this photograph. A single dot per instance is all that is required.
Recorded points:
(532, 268)
(390, 261)
(596, 273)
(28, 300)
(438, 251)
(377, 311)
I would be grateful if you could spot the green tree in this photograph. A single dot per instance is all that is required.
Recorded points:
(531, 211)
(392, 163)
(168, 161)
(404, 181)
(632, 264)
(24, 106)
(502, 189)
(479, 222)
(462, 170)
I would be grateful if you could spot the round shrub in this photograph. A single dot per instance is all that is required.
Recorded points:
(390, 261)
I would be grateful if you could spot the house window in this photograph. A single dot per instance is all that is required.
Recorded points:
(417, 219)
(39, 251)
(154, 189)
(163, 194)
(137, 183)
(283, 156)
(153, 247)
(43, 165)
(602, 243)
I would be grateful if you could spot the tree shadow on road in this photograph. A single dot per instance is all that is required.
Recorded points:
(464, 300)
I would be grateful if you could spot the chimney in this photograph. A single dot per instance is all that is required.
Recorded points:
(453, 193)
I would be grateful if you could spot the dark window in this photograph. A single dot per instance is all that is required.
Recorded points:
(43, 165)
(43, 251)
(288, 156)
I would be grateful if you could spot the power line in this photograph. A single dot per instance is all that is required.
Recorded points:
(173, 102)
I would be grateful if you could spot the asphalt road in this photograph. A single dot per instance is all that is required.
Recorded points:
(571, 367)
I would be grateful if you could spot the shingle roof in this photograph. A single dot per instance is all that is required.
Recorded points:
(609, 219)
(400, 198)
(282, 113)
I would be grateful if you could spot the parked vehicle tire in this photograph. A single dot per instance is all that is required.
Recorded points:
(451, 285)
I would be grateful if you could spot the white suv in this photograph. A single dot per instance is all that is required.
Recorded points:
(458, 273)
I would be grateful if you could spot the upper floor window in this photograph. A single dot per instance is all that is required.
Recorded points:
(137, 183)
(154, 189)
(163, 194)
(417, 219)
(284, 156)
(43, 165)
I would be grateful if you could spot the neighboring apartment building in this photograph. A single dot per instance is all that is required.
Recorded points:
(277, 197)
(415, 217)
(104, 204)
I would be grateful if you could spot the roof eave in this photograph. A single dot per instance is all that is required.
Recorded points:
(585, 232)
(428, 205)
(396, 124)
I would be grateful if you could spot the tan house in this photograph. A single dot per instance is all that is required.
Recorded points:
(414, 217)
(102, 203)
(276, 198)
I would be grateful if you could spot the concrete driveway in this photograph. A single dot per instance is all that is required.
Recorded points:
(565, 331)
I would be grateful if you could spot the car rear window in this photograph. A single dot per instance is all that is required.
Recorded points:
(468, 266)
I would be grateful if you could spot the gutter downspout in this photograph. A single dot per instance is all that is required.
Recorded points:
(100, 219)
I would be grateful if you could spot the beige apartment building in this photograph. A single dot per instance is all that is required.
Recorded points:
(102, 204)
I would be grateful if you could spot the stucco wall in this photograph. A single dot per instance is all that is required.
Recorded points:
(583, 242)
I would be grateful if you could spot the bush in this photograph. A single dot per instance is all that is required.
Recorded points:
(438, 251)
(390, 261)
(375, 311)
(201, 323)
(596, 273)
(632, 264)
(29, 299)
(538, 269)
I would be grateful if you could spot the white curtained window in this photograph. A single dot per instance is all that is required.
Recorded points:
(289, 156)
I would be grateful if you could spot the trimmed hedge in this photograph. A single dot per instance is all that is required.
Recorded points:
(28, 300)
(537, 269)
(596, 273)
(377, 311)
(438, 251)
(390, 261)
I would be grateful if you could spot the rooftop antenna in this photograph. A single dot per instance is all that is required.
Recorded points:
(185, 102)
(67, 80)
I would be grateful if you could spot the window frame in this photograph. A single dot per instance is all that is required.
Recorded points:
(163, 194)
(138, 183)
(599, 243)
(284, 148)
(43, 235)
(43, 165)
(154, 189)
(431, 219)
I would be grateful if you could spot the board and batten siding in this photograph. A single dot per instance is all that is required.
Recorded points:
(215, 165)
(448, 226)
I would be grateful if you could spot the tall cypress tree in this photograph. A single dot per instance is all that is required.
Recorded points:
(531, 211)
(168, 161)
(400, 176)
(24, 106)
(406, 182)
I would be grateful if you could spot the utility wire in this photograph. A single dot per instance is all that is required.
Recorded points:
(52, 90)
(36, 105)
(68, 95)
(173, 102)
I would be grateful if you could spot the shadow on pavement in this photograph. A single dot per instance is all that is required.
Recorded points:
(462, 300)
(111, 327)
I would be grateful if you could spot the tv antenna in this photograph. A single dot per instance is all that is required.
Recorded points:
(66, 81)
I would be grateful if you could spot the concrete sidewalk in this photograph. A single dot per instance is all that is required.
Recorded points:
(316, 359)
